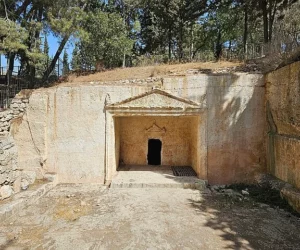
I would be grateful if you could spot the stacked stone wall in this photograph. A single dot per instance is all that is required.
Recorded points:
(11, 178)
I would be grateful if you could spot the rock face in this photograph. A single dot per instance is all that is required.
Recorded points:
(68, 129)
(283, 140)
(283, 114)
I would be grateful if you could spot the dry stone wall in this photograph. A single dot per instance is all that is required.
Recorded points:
(11, 178)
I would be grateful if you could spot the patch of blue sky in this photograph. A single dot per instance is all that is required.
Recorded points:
(53, 42)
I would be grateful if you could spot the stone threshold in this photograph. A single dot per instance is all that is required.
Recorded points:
(154, 177)
(185, 184)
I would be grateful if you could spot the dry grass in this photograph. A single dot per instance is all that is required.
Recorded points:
(34, 234)
(149, 71)
(71, 209)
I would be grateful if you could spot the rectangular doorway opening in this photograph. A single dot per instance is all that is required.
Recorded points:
(154, 152)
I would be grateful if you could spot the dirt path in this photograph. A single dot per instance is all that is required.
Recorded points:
(92, 217)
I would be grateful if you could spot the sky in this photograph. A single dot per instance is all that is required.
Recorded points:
(54, 43)
(53, 46)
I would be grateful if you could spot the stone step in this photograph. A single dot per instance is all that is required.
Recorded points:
(177, 182)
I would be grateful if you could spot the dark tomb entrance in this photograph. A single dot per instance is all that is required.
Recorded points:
(154, 152)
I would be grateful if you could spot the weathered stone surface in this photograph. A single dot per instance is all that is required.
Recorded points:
(6, 191)
(282, 92)
(28, 132)
(17, 185)
(235, 123)
(287, 159)
(283, 110)
(29, 175)
(292, 195)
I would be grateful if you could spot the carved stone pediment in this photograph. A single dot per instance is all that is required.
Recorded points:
(156, 100)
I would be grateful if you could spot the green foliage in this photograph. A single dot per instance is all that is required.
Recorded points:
(12, 37)
(46, 46)
(107, 41)
(111, 33)
(76, 58)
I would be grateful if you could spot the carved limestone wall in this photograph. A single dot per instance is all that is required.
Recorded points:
(75, 129)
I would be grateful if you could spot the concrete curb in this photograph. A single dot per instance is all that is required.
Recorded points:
(24, 199)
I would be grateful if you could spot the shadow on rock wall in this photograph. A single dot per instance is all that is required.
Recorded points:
(236, 128)
(243, 223)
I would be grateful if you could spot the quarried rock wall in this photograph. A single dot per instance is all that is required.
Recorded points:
(283, 115)
(66, 129)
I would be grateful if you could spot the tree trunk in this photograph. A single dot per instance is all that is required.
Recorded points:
(229, 50)
(55, 58)
(272, 12)
(245, 36)
(124, 20)
(124, 60)
(11, 63)
(180, 42)
(263, 6)
(21, 8)
(31, 67)
(192, 43)
(218, 49)
(170, 45)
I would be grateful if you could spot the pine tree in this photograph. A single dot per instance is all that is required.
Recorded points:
(46, 52)
(75, 62)
(66, 68)
(46, 46)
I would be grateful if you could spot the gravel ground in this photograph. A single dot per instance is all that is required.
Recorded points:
(94, 217)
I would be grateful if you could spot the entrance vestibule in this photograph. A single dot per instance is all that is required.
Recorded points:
(157, 141)
(177, 124)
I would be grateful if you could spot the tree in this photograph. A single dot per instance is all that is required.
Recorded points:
(106, 42)
(62, 18)
(46, 46)
(12, 37)
(76, 62)
(66, 68)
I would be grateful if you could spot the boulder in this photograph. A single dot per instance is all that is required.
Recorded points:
(6, 191)
(24, 184)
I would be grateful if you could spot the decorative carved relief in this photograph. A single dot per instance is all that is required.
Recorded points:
(155, 129)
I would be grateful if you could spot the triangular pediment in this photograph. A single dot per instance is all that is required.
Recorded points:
(155, 99)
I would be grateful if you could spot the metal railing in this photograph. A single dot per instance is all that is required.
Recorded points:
(15, 71)
(11, 84)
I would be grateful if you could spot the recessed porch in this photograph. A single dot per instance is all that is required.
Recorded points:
(155, 128)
